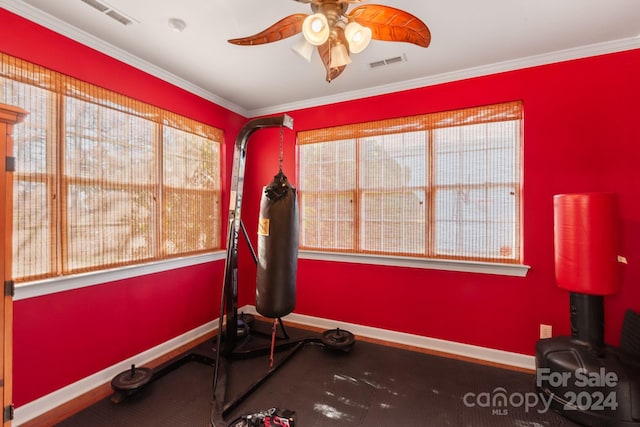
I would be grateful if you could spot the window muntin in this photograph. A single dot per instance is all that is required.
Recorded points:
(90, 189)
(444, 185)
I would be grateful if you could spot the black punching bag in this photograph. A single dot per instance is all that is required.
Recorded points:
(277, 249)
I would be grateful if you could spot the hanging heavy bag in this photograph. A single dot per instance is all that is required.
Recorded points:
(277, 249)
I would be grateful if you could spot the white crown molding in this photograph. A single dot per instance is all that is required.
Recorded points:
(484, 70)
(33, 14)
(61, 27)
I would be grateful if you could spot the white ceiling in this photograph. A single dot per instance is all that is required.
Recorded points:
(469, 38)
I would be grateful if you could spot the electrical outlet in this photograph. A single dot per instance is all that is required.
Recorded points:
(545, 331)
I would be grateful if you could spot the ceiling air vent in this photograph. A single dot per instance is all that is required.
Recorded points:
(109, 11)
(96, 5)
(389, 61)
(119, 17)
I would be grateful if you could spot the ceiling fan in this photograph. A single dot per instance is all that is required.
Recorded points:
(336, 34)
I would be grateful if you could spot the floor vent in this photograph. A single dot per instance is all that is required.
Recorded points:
(109, 11)
(389, 61)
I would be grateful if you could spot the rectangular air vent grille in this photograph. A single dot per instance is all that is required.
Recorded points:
(389, 61)
(96, 5)
(119, 17)
(109, 11)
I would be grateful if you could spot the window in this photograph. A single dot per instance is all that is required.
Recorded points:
(103, 180)
(443, 185)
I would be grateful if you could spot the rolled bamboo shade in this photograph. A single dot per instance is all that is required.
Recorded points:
(92, 188)
(439, 185)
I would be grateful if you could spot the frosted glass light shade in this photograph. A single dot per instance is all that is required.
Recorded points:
(339, 56)
(315, 28)
(357, 36)
(303, 48)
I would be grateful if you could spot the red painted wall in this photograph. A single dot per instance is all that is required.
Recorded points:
(64, 337)
(581, 134)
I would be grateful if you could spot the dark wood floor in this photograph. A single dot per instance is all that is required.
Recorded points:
(372, 385)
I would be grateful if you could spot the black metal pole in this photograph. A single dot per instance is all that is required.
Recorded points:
(587, 318)
(229, 297)
(246, 239)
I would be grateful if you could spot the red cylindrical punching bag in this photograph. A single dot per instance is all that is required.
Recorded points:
(277, 249)
(586, 238)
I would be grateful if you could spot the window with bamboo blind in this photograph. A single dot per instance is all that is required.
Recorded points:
(439, 186)
(103, 180)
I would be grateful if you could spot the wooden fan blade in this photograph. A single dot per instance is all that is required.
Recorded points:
(286, 27)
(325, 53)
(320, 1)
(391, 24)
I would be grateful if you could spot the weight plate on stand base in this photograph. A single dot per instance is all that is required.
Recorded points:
(130, 381)
(247, 318)
(245, 321)
(338, 339)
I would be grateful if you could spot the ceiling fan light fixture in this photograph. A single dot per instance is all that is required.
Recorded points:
(357, 36)
(315, 29)
(337, 31)
(339, 56)
(303, 48)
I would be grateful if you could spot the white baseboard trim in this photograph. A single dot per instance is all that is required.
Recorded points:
(66, 394)
(466, 350)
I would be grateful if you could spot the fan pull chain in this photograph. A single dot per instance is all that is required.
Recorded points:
(273, 342)
(281, 146)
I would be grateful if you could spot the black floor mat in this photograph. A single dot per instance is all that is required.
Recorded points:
(372, 385)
